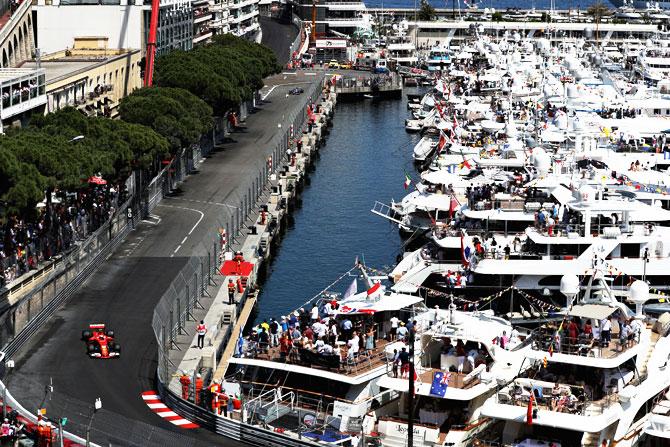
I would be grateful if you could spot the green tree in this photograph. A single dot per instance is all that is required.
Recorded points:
(426, 12)
(222, 73)
(21, 184)
(176, 114)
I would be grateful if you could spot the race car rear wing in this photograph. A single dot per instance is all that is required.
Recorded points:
(96, 326)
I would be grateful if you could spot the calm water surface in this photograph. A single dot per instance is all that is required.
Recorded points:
(362, 161)
(497, 4)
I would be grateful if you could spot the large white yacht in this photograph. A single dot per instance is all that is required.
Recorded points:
(584, 388)
(459, 365)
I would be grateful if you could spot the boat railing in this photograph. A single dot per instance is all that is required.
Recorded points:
(572, 399)
(583, 346)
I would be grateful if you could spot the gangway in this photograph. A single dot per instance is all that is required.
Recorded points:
(387, 212)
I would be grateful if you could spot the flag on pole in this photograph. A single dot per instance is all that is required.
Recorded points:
(529, 411)
(408, 180)
(440, 383)
(465, 164)
(455, 124)
(352, 289)
(442, 142)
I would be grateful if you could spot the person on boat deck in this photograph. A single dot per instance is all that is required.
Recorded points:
(308, 333)
(353, 345)
(588, 330)
(319, 344)
(347, 326)
(285, 346)
(333, 332)
(293, 320)
(264, 340)
(314, 312)
(295, 334)
(402, 332)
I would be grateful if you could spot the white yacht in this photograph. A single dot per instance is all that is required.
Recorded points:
(459, 366)
(582, 389)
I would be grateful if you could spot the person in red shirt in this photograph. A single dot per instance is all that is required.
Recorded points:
(573, 332)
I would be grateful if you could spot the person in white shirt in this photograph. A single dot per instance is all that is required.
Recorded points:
(319, 345)
(606, 330)
(394, 326)
(353, 346)
(315, 313)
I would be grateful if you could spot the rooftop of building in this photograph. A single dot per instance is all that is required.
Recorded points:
(87, 53)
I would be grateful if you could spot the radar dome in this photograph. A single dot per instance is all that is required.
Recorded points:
(569, 285)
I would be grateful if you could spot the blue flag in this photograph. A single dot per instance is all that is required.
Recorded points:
(440, 383)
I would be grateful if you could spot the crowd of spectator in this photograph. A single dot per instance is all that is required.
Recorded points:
(26, 242)
(343, 339)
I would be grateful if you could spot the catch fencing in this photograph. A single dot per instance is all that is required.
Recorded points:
(178, 305)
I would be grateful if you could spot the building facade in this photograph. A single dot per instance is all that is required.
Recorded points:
(90, 76)
(124, 22)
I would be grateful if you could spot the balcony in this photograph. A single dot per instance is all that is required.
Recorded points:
(346, 6)
(218, 7)
(242, 4)
(242, 17)
(202, 17)
(22, 89)
(202, 37)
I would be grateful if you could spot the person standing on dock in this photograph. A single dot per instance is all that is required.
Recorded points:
(201, 330)
(231, 292)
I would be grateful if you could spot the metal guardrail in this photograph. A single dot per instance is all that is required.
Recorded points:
(230, 428)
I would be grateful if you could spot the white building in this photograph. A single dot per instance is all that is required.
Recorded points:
(125, 22)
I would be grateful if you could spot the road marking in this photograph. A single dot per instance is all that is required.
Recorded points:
(177, 249)
(268, 93)
(288, 73)
(202, 216)
(183, 240)
(310, 74)
(152, 399)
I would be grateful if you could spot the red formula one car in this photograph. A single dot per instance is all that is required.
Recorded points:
(100, 342)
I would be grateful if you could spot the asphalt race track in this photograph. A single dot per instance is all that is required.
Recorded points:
(123, 292)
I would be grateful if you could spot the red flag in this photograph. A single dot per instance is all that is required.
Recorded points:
(442, 142)
(529, 412)
(455, 124)
(465, 164)
(439, 109)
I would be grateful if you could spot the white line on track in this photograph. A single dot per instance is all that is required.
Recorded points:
(202, 215)
(268, 93)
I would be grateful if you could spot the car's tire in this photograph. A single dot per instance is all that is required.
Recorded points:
(110, 333)
(90, 348)
(117, 348)
(85, 335)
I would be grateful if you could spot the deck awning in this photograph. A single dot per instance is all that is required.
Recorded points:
(391, 302)
(595, 311)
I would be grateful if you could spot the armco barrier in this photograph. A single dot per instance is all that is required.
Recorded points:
(230, 428)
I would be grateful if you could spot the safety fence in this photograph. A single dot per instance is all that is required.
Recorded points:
(230, 428)
(180, 302)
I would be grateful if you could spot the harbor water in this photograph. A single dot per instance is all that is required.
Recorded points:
(363, 160)
(497, 4)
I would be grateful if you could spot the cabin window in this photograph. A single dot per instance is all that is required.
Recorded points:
(630, 250)
(657, 111)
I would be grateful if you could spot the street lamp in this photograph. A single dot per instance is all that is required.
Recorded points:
(96, 406)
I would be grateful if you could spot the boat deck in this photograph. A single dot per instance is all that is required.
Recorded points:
(456, 380)
(363, 362)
